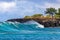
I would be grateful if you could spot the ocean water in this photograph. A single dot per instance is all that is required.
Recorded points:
(27, 31)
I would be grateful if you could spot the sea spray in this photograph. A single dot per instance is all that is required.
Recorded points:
(36, 23)
(27, 31)
(16, 26)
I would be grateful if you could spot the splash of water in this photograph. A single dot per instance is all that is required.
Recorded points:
(17, 27)
(34, 22)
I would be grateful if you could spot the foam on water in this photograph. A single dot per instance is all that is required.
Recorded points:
(16, 26)
(30, 30)
(34, 22)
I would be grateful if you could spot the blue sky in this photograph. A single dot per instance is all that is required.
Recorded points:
(10, 9)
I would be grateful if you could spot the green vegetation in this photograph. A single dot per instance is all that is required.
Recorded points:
(51, 19)
(34, 16)
(27, 17)
(51, 13)
(57, 15)
(37, 15)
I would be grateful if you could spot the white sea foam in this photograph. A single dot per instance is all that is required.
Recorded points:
(34, 22)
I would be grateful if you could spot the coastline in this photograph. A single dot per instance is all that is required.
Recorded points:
(46, 23)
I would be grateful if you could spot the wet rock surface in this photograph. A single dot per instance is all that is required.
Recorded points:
(45, 23)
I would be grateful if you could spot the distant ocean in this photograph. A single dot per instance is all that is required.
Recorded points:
(27, 31)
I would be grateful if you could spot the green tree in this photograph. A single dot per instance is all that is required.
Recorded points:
(51, 11)
(58, 13)
(57, 16)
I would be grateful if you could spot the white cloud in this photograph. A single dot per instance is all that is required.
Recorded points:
(5, 6)
(21, 8)
(27, 7)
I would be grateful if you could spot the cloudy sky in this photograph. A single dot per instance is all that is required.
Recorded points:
(10, 9)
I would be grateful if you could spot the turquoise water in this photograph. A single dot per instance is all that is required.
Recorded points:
(22, 31)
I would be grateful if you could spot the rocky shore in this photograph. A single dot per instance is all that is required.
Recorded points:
(46, 23)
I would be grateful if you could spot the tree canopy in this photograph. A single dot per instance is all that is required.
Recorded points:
(51, 11)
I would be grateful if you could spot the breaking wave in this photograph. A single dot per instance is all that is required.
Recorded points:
(17, 26)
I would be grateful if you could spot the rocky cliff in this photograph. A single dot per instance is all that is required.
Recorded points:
(47, 23)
